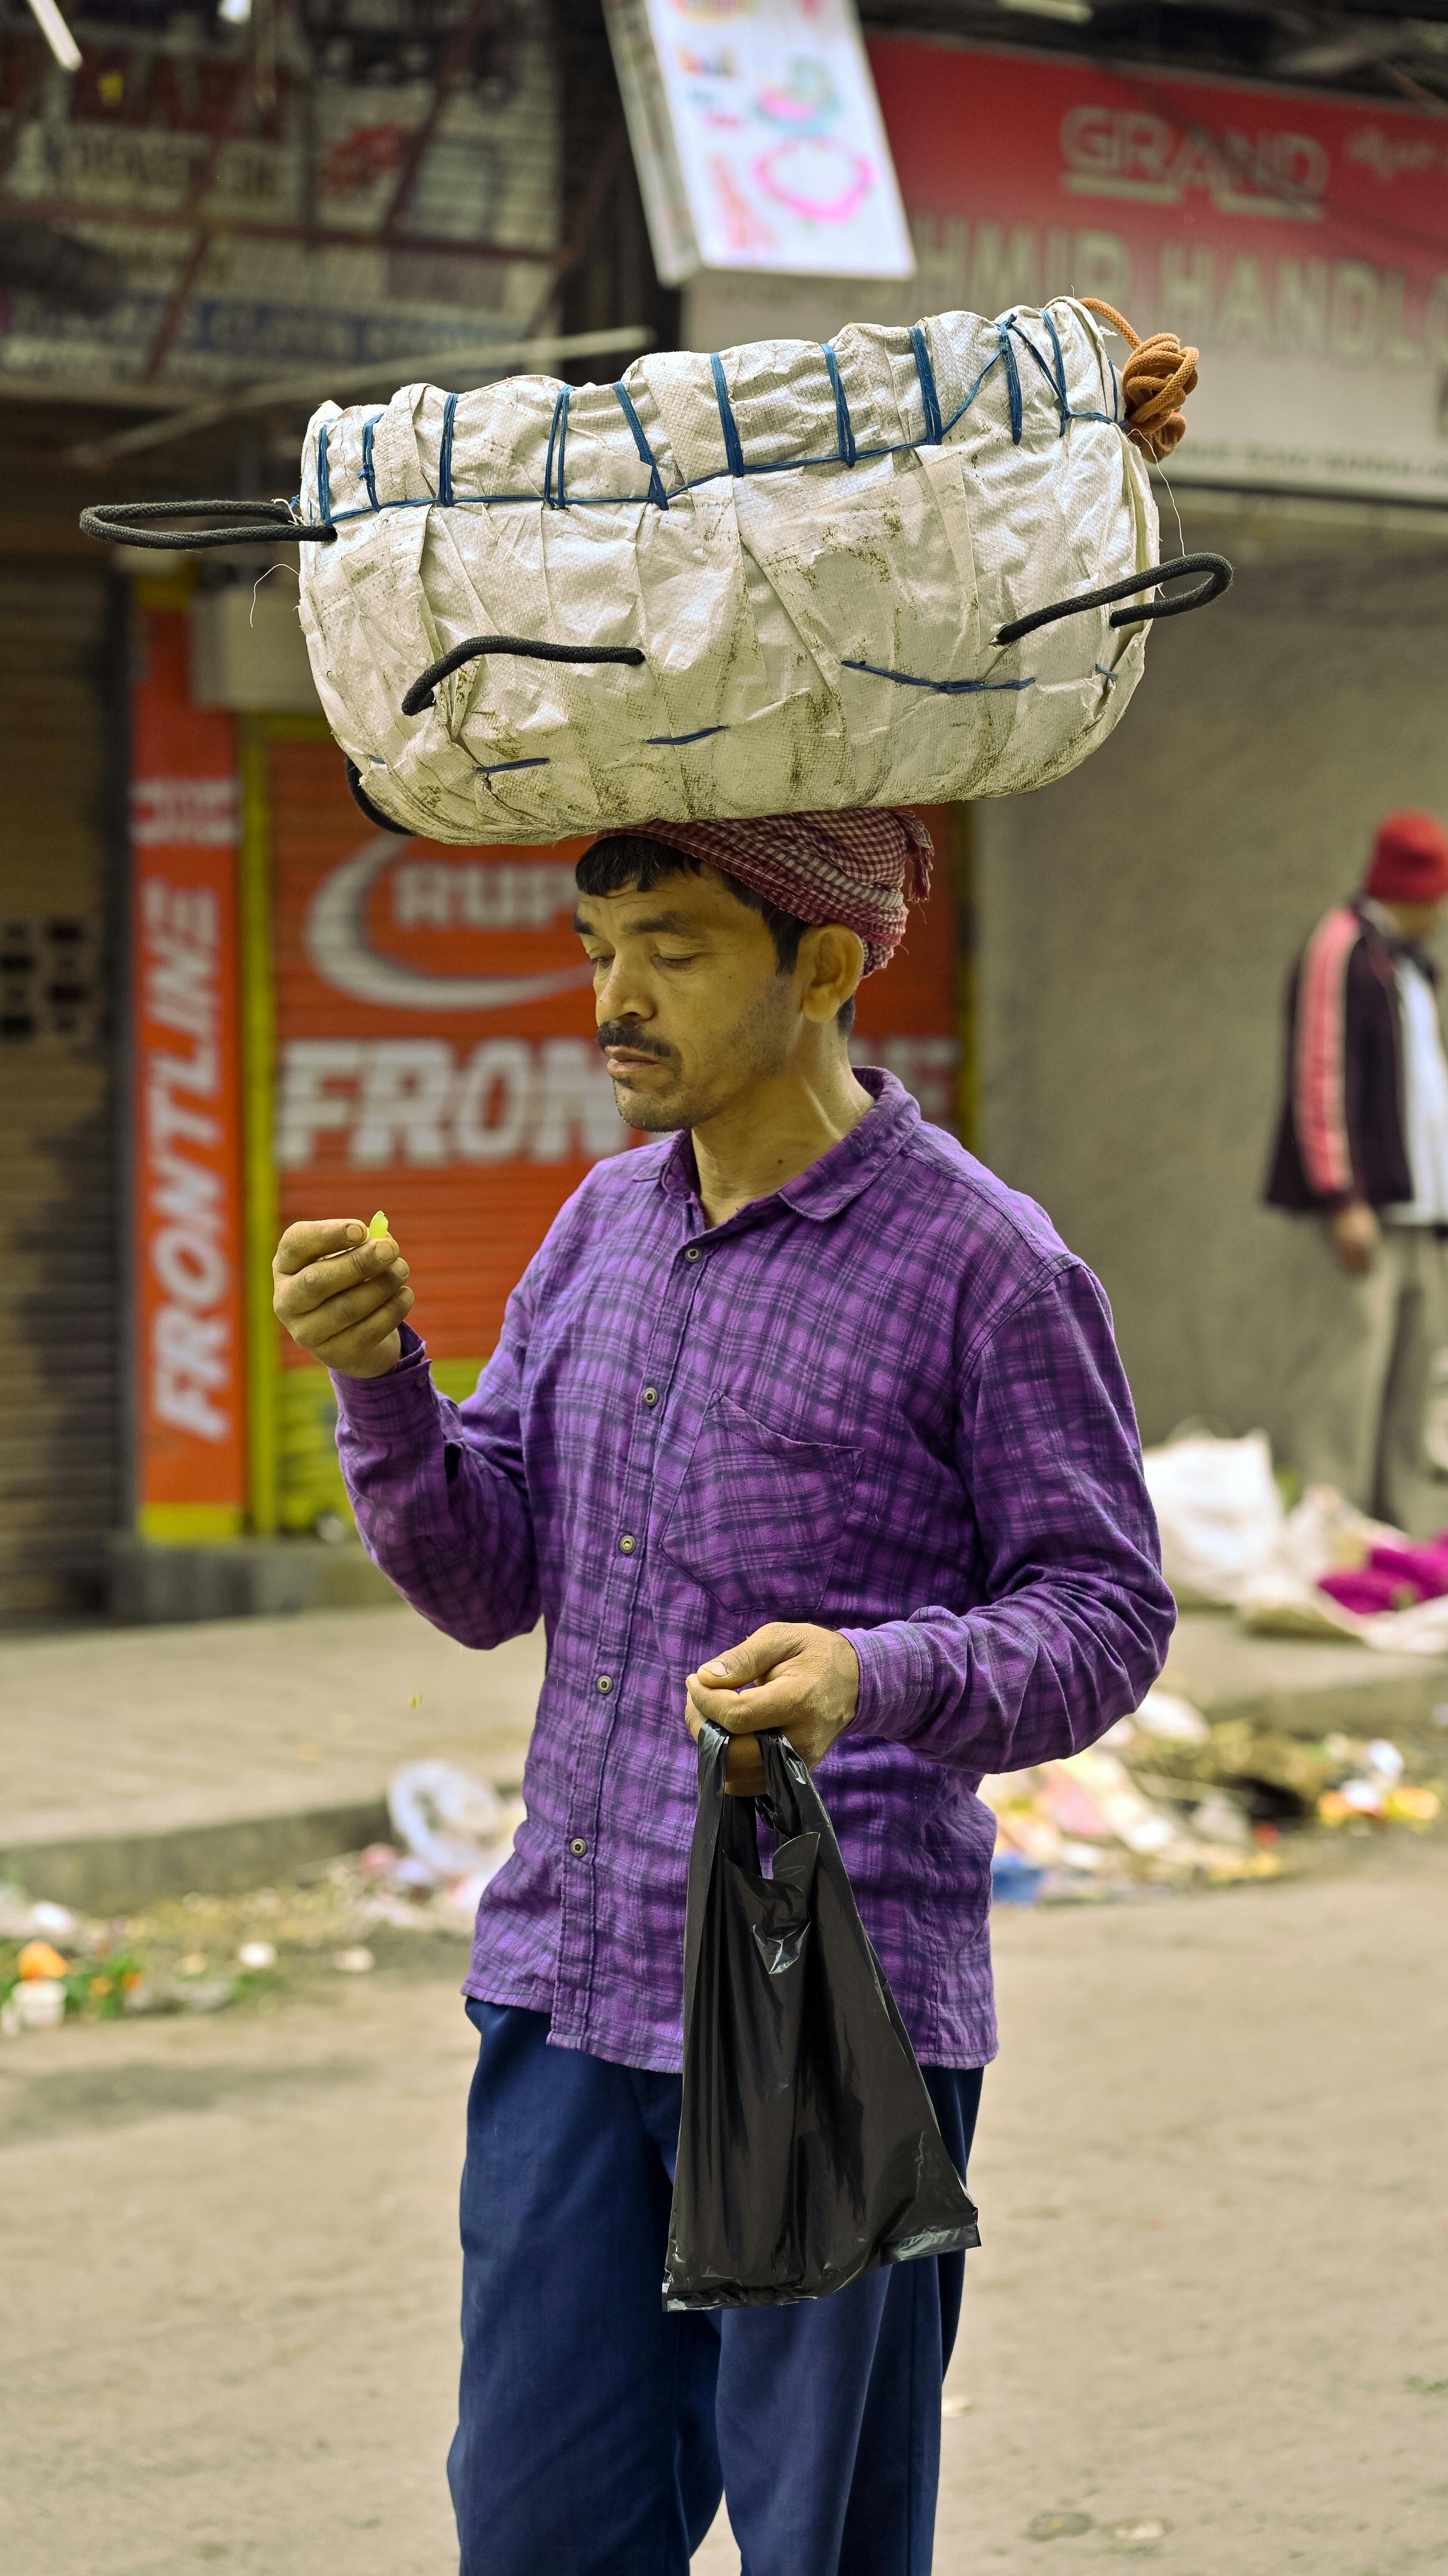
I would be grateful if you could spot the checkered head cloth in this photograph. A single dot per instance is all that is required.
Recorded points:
(863, 867)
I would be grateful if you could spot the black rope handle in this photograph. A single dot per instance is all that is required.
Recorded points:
(152, 523)
(1216, 568)
(374, 813)
(423, 690)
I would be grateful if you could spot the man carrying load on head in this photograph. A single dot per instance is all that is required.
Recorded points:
(800, 1419)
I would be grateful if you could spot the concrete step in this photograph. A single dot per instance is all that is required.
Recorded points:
(219, 1755)
(245, 1578)
(1303, 1686)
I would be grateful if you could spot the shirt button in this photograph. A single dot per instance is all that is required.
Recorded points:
(605, 1681)
(692, 1253)
(628, 1543)
(578, 1846)
(651, 1395)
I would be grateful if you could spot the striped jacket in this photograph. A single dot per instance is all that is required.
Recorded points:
(1341, 1136)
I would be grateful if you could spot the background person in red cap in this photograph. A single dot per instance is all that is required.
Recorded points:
(1362, 1148)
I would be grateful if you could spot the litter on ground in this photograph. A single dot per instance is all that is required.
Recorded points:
(1167, 1800)
(201, 1954)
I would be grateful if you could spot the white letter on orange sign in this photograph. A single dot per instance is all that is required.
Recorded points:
(406, 1086)
(306, 1108)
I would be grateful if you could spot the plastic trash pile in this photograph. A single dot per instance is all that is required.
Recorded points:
(1086, 1827)
(199, 1954)
(1322, 1569)
(453, 1833)
(1167, 1800)
(57, 1965)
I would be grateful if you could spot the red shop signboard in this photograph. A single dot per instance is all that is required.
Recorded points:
(1300, 240)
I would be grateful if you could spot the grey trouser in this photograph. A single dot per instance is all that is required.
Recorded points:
(1369, 1394)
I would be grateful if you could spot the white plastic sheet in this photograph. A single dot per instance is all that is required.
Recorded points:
(1219, 1512)
(813, 549)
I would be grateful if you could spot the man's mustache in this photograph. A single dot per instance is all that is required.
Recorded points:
(624, 1033)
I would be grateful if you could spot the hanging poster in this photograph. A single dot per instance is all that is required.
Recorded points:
(757, 137)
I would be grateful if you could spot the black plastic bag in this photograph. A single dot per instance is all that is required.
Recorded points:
(808, 2145)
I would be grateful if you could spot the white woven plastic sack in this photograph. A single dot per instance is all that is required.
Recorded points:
(812, 547)
(1219, 1512)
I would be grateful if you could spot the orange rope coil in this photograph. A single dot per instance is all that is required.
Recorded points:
(1157, 377)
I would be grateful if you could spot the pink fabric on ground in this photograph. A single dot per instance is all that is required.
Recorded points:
(1394, 1577)
(1425, 1567)
(1354, 1588)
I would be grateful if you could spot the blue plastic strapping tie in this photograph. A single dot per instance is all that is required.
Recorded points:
(843, 431)
(736, 465)
(564, 399)
(368, 475)
(734, 453)
(702, 735)
(1062, 397)
(560, 412)
(444, 453)
(1027, 342)
(942, 688)
(962, 408)
(1013, 378)
(928, 395)
(657, 494)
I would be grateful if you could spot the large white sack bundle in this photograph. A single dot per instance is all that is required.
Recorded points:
(1219, 1513)
(806, 551)
(796, 577)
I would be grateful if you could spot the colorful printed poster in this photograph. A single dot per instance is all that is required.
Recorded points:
(758, 138)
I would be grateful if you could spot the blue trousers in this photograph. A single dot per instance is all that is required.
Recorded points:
(596, 2433)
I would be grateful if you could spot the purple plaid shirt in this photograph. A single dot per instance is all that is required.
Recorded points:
(885, 1398)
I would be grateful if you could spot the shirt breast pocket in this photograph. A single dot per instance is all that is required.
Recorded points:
(754, 1530)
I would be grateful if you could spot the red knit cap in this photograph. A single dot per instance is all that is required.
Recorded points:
(862, 868)
(1410, 860)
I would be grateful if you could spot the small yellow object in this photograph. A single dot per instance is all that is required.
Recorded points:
(378, 1226)
(1408, 1806)
(415, 1701)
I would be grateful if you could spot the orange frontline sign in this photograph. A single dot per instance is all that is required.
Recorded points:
(190, 1352)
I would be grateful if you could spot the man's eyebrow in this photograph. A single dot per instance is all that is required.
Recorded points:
(678, 924)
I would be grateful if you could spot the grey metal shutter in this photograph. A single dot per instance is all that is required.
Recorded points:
(60, 1182)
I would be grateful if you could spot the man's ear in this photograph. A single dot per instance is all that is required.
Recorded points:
(832, 960)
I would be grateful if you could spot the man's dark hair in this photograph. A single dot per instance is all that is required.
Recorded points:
(634, 863)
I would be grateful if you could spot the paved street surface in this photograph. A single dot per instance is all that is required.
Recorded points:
(127, 1730)
(1212, 2292)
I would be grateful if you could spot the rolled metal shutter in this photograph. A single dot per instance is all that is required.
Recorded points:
(61, 1487)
